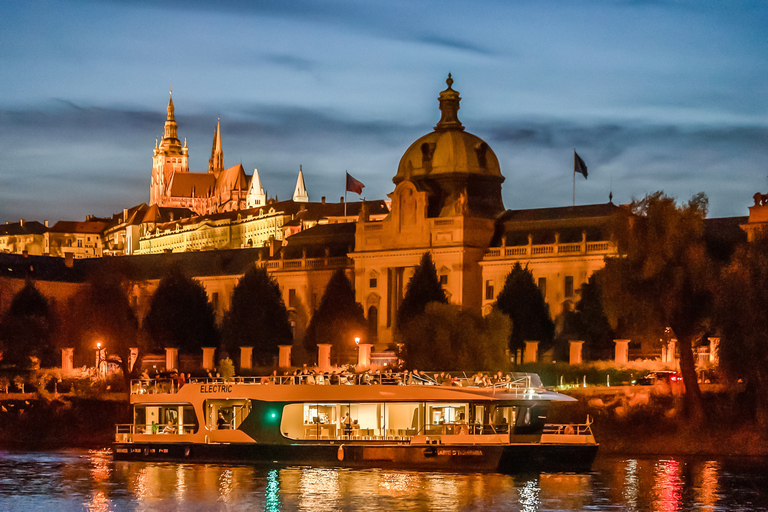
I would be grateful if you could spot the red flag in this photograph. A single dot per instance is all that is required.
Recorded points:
(354, 185)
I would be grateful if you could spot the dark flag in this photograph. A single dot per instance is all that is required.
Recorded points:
(354, 185)
(578, 165)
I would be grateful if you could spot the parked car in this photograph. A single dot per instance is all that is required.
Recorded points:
(665, 377)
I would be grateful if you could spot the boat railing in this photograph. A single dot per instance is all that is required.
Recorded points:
(568, 429)
(124, 432)
(518, 384)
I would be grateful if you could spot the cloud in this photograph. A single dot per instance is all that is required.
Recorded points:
(65, 160)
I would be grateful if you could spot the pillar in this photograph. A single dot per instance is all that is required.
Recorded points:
(171, 358)
(208, 355)
(671, 347)
(531, 352)
(364, 355)
(246, 358)
(284, 357)
(621, 351)
(714, 348)
(134, 355)
(67, 360)
(324, 356)
(576, 346)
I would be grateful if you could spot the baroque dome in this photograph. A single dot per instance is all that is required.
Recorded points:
(457, 169)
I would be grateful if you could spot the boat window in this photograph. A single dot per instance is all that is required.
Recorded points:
(444, 418)
(503, 417)
(225, 414)
(164, 419)
(354, 421)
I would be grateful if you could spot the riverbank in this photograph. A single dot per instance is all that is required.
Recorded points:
(650, 421)
(628, 421)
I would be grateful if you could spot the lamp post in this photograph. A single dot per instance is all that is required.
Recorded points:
(100, 361)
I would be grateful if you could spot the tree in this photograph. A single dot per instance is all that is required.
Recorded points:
(522, 302)
(180, 315)
(26, 330)
(423, 288)
(338, 319)
(664, 278)
(444, 337)
(743, 320)
(257, 317)
(591, 323)
(101, 313)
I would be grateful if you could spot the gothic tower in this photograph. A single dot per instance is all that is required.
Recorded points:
(169, 156)
(216, 162)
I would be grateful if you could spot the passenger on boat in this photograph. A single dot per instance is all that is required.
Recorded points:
(155, 427)
(310, 378)
(181, 380)
(169, 428)
(221, 423)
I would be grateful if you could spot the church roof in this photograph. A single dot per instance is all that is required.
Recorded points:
(192, 184)
(233, 178)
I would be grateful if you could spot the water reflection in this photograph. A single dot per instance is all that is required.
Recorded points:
(92, 481)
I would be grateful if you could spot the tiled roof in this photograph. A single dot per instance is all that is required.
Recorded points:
(66, 226)
(29, 228)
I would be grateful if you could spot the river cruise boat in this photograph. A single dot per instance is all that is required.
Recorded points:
(384, 423)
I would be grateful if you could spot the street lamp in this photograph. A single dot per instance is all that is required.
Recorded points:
(100, 370)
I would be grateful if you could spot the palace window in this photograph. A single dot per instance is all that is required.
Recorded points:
(292, 301)
(543, 286)
(443, 279)
(489, 290)
(568, 287)
(373, 283)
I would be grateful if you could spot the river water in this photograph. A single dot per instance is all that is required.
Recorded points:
(90, 480)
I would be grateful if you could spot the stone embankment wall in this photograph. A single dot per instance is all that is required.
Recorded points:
(36, 423)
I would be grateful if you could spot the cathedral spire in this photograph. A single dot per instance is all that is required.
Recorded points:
(256, 196)
(449, 106)
(216, 162)
(300, 193)
(170, 125)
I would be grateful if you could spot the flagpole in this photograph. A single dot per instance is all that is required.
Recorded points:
(574, 176)
(345, 194)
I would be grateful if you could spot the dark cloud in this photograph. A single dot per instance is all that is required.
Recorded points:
(65, 160)
(454, 44)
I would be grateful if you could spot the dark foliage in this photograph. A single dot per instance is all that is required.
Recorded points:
(101, 312)
(180, 315)
(743, 320)
(26, 330)
(456, 339)
(338, 320)
(257, 317)
(423, 288)
(522, 302)
(591, 324)
(664, 278)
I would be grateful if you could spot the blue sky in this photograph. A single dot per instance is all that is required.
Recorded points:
(654, 95)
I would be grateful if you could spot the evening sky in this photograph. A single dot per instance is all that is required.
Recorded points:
(654, 95)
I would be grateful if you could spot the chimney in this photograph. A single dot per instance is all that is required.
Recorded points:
(125, 214)
(69, 259)
(341, 199)
(46, 223)
(322, 200)
(21, 222)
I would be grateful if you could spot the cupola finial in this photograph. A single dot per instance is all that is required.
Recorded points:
(449, 106)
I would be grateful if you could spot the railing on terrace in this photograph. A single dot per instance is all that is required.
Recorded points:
(512, 382)
(337, 261)
(549, 249)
